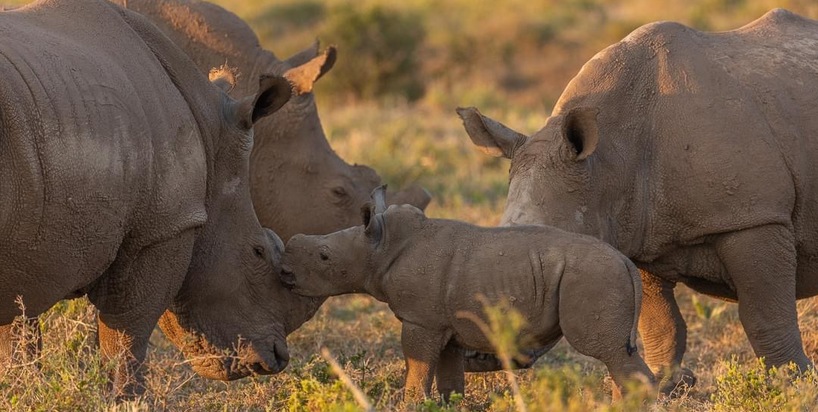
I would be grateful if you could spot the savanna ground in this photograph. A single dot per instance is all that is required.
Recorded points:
(390, 103)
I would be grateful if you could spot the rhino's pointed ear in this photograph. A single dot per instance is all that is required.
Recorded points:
(378, 197)
(373, 222)
(273, 92)
(581, 131)
(305, 55)
(304, 76)
(491, 136)
(372, 213)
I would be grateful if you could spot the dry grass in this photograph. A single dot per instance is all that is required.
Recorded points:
(364, 336)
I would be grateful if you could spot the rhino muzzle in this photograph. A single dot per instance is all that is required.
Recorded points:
(246, 361)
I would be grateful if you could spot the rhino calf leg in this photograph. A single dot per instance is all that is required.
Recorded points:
(761, 264)
(613, 349)
(664, 334)
(450, 375)
(602, 327)
(131, 296)
(421, 349)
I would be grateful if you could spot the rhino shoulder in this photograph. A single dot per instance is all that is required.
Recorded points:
(778, 19)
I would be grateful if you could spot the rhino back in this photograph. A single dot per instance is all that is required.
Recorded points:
(211, 36)
(99, 149)
(711, 132)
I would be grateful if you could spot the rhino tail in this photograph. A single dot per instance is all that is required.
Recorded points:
(630, 346)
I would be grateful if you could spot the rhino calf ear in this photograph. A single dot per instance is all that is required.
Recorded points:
(581, 131)
(366, 213)
(304, 76)
(373, 222)
(273, 92)
(378, 197)
(372, 214)
(489, 135)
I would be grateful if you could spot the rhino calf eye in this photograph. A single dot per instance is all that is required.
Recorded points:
(323, 256)
(259, 251)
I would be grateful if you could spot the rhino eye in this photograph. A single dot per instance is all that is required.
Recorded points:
(339, 191)
(259, 251)
(323, 256)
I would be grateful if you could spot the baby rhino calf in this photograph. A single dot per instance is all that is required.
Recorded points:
(430, 271)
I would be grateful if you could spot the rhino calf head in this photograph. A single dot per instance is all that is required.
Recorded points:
(339, 262)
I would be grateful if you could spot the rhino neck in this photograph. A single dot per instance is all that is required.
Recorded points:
(623, 86)
(202, 101)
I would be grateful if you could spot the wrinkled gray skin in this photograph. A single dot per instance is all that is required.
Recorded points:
(431, 272)
(124, 176)
(298, 183)
(699, 166)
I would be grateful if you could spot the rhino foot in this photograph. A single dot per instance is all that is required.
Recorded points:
(677, 383)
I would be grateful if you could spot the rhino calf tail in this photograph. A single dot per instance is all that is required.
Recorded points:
(630, 346)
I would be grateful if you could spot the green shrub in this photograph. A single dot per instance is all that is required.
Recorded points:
(380, 46)
(755, 388)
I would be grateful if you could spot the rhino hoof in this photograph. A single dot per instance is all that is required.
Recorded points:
(678, 383)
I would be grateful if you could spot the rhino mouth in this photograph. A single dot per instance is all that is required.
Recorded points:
(265, 355)
(240, 362)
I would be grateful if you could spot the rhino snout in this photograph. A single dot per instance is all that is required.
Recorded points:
(267, 362)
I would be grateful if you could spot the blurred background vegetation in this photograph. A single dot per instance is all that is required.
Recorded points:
(445, 53)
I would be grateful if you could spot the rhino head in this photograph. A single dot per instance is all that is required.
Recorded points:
(344, 261)
(228, 317)
(551, 180)
(292, 152)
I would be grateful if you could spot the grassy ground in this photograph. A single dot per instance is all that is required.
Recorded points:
(424, 142)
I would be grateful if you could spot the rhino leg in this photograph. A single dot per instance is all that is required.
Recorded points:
(762, 265)
(422, 348)
(450, 374)
(664, 334)
(131, 296)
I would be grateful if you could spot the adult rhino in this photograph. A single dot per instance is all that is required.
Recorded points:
(693, 154)
(123, 177)
(297, 182)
